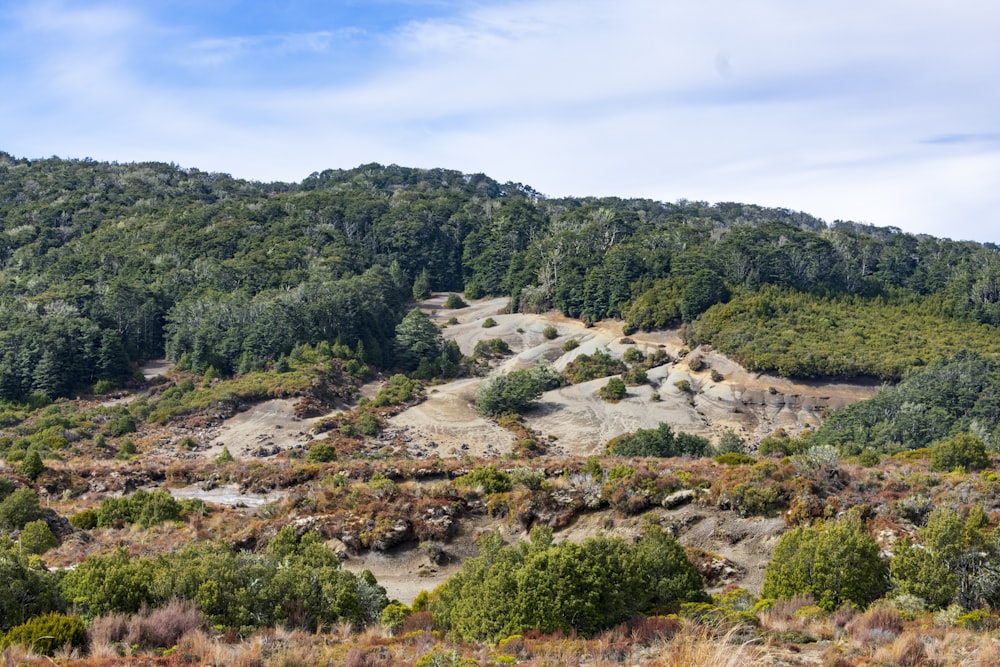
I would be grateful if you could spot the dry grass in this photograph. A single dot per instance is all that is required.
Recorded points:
(696, 647)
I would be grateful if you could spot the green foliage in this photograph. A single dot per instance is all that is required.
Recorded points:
(835, 563)
(473, 290)
(121, 425)
(37, 538)
(955, 394)
(514, 392)
(48, 633)
(454, 301)
(28, 590)
(585, 368)
(417, 339)
(393, 616)
(321, 452)
(570, 345)
(490, 349)
(18, 508)
(550, 332)
(489, 323)
(660, 441)
(295, 581)
(488, 478)
(961, 451)
(705, 289)
(614, 390)
(951, 565)
(84, 519)
(145, 508)
(32, 466)
(735, 459)
(571, 587)
(225, 456)
(422, 286)
(398, 390)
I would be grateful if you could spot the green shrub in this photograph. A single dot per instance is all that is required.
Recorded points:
(614, 390)
(225, 456)
(454, 301)
(84, 519)
(121, 425)
(18, 508)
(321, 452)
(32, 466)
(586, 367)
(37, 537)
(570, 345)
(550, 332)
(489, 322)
(489, 349)
(514, 392)
(660, 441)
(961, 451)
(48, 633)
(473, 290)
(835, 563)
(488, 478)
(735, 459)
(632, 355)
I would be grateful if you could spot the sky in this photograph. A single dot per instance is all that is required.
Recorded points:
(879, 111)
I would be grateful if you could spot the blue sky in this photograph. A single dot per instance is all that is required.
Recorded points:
(880, 111)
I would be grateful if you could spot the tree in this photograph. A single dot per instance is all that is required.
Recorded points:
(417, 339)
(704, 290)
(422, 286)
(515, 391)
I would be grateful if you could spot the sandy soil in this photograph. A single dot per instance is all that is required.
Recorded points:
(268, 426)
(578, 421)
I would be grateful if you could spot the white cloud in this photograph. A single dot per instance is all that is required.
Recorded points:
(882, 111)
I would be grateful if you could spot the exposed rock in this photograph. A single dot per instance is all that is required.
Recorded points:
(675, 500)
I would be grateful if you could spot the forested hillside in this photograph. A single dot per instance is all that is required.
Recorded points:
(223, 507)
(103, 265)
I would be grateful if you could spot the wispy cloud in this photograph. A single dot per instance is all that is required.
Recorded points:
(878, 110)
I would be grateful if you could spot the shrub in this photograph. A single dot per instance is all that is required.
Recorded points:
(121, 425)
(454, 301)
(836, 563)
(635, 377)
(489, 322)
(660, 441)
(632, 355)
(473, 290)
(48, 633)
(84, 519)
(515, 391)
(32, 466)
(590, 367)
(735, 459)
(570, 345)
(321, 452)
(963, 450)
(488, 349)
(488, 478)
(614, 390)
(37, 537)
(550, 332)
(19, 508)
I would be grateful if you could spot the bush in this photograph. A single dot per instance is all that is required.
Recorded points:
(121, 425)
(570, 345)
(660, 441)
(632, 355)
(488, 349)
(48, 633)
(19, 508)
(488, 478)
(735, 459)
(454, 301)
(590, 367)
(614, 390)
(489, 322)
(32, 466)
(550, 332)
(962, 451)
(836, 563)
(474, 290)
(515, 391)
(84, 519)
(37, 537)
(322, 452)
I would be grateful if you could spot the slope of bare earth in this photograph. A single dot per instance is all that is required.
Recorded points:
(740, 548)
(578, 421)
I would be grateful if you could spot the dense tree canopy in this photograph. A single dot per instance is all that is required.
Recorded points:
(103, 265)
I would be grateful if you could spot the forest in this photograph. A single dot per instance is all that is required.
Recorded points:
(311, 292)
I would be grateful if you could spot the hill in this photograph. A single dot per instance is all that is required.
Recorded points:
(214, 391)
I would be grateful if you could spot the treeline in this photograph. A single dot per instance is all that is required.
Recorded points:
(151, 259)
